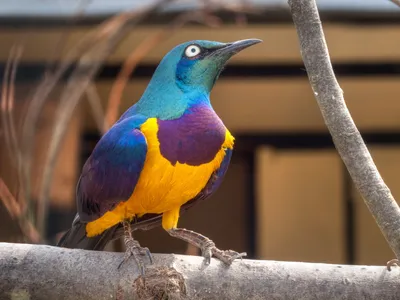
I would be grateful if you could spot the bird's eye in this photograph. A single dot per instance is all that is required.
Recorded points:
(192, 51)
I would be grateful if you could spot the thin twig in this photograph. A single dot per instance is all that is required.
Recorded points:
(16, 212)
(36, 106)
(107, 37)
(7, 111)
(9, 201)
(5, 105)
(13, 132)
(46, 86)
(123, 77)
(64, 34)
(15, 208)
(96, 108)
(345, 134)
(238, 8)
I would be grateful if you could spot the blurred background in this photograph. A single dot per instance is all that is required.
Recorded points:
(287, 195)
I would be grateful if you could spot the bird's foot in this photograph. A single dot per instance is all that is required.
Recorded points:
(391, 263)
(227, 256)
(207, 246)
(133, 249)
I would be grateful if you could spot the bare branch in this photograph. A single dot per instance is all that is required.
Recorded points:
(15, 208)
(95, 105)
(37, 102)
(345, 134)
(102, 43)
(397, 2)
(16, 212)
(7, 103)
(123, 77)
(10, 203)
(64, 33)
(44, 272)
(8, 121)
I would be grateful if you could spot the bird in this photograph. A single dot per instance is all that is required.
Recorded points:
(167, 152)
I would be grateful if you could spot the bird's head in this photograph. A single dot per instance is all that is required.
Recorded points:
(199, 63)
(189, 71)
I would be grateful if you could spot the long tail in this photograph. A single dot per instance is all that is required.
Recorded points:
(76, 237)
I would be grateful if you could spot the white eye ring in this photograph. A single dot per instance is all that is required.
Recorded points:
(192, 51)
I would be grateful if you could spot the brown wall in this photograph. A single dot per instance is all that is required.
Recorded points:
(371, 247)
(347, 42)
(299, 194)
(299, 210)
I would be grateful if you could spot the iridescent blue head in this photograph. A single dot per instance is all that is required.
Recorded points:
(186, 75)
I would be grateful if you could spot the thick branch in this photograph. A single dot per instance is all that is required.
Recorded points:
(345, 134)
(45, 272)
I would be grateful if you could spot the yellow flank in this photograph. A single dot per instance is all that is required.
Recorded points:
(162, 187)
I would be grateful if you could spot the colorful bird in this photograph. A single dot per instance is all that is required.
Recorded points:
(166, 152)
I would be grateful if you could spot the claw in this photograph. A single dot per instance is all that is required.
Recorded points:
(206, 251)
(148, 254)
(391, 263)
(133, 249)
(206, 246)
(228, 256)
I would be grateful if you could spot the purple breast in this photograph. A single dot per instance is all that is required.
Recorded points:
(193, 139)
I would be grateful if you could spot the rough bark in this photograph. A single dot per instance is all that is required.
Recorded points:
(345, 134)
(45, 272)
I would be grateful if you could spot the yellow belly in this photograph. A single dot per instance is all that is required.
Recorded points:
(162, 187)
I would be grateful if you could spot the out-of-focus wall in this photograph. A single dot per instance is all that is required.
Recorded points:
(299, 208)
(349, 42)
(299, 211)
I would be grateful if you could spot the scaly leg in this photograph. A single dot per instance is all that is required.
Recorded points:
(134, 249)
(206, 246)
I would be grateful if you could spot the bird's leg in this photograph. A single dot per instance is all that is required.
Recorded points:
(134, 249)
(206, 246)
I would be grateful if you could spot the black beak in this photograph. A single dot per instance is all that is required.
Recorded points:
(235, 47)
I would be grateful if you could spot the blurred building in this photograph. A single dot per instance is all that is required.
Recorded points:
(287, 195)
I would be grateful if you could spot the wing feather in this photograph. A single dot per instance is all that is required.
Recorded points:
(110, 174)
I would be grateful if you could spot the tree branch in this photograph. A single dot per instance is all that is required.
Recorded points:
(345, 134)
(44, 272)
(397, 2)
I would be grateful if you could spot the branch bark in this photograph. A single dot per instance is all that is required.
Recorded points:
(345, 134)
(397, 2)
(45, 272)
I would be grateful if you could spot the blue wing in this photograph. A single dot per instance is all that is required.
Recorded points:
(110, 174)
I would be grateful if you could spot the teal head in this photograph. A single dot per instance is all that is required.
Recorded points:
(187, 74)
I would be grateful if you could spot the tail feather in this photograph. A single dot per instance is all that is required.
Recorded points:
(75, 238)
